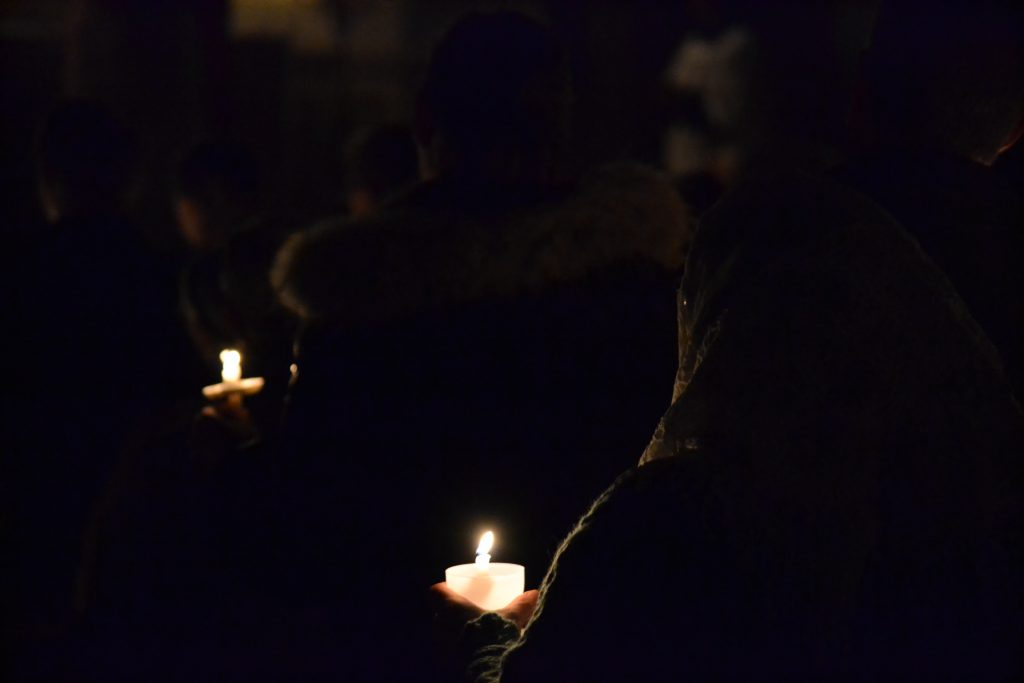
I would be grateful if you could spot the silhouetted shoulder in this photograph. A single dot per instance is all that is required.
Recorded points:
(440, 253)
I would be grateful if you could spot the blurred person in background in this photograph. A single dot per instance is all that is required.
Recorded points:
(158, 576)
(380, 162)
(225, 296)
(708, 92)
(942, 96)
(96, 333)
(219, 192)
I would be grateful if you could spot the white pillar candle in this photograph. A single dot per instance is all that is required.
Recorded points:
(488, 585)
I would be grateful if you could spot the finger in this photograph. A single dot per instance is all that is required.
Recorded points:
(442, 589)
(441, 594)
(520, 610)
(529, 597)
(447, 599)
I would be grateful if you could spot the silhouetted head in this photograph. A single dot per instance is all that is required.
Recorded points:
(494, 104)
(948, 75)
(379, 162)
(85, 162)
(219, 188)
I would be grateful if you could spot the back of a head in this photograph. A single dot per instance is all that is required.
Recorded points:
(380, 161)
(222, 184)
(497, 90)
(85, 161)
(948, 75)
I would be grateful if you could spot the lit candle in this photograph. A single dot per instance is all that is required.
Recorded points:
(488, 585)
(483, 548)
(232, 386)
(230, 365)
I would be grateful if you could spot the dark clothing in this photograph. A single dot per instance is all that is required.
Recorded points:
(99, 350)
(471, 361)
(454, 350)
(970, 221)
(835, 493)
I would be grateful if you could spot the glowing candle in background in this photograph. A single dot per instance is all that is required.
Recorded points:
(231, 365)
(488, 585)
(232, 385)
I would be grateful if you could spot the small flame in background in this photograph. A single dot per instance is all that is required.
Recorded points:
(231, 365)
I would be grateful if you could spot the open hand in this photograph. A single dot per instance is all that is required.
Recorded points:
(453, 611)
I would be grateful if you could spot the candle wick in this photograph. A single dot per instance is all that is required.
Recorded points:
(482, 561)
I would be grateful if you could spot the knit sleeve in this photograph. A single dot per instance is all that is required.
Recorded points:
(483, 643)
(550, 646)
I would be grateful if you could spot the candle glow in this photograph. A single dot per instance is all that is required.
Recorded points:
(231, 365)
(488, 585)
(483, 558)
(232, 386)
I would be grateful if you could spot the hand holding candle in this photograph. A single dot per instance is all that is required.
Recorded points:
(489, 585)
(452, 611)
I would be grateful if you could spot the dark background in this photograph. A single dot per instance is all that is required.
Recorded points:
(291, 79)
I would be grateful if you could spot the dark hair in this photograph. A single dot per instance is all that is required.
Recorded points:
(85, 158)
(498, 81)
(219, 174)
(949, 73)
(381, 159)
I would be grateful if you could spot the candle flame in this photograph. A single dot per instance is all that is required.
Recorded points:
(483, 559)
(486, 541)
(231, 365)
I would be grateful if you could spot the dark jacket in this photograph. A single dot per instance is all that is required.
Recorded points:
(474, 360)
(970, 222)
(93, 340)
(834, 494)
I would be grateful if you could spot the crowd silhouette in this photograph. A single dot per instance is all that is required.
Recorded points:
(754, 414)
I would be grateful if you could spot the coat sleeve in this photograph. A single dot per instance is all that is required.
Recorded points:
(603, 597)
